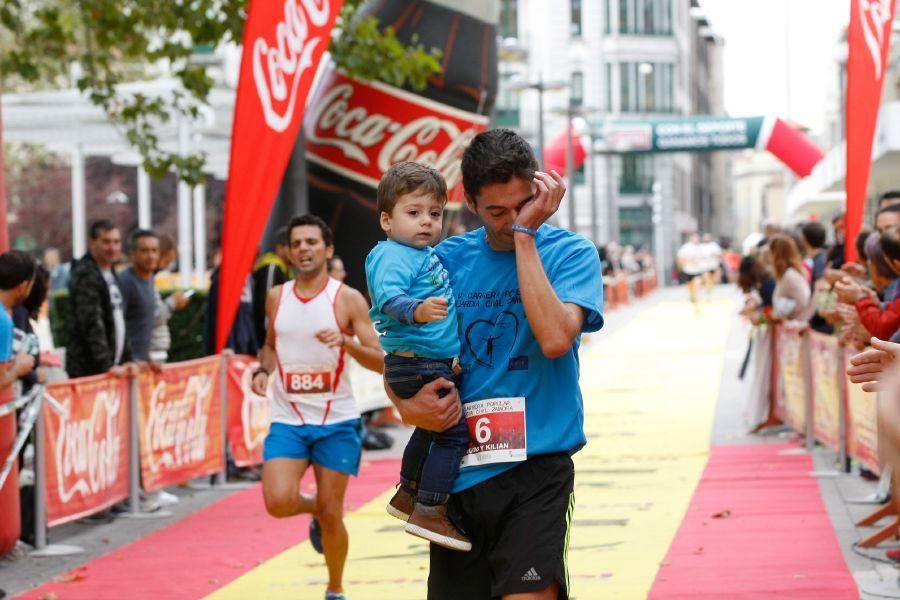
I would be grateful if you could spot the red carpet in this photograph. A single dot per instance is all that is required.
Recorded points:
(207, 549)
(775, 540)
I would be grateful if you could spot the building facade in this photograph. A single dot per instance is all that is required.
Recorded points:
(618, 60)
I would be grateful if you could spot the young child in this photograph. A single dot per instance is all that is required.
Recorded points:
(415, 314)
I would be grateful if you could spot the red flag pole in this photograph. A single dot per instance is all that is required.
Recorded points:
(869, 39)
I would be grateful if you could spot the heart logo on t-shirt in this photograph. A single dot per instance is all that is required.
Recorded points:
(491, 342)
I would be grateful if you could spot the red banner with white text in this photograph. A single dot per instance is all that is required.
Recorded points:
(249, 414)
(283, 45)
(869, 38)
(180, 422)
(86, 454)
(346, 134)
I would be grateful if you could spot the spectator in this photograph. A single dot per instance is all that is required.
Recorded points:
(835, 258)
(756, 281)
(792, 293)
(887, 218)
(882, 324)
(161, 337)
(271, 269)
(97, 341)
(25, 338)
(813, 236)
(336, 268)
(889, 198)
(17, 271)
(242, 337)
(139, 292)
(59, 272)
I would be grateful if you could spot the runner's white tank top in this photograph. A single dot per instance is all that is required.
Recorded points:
(302, 358)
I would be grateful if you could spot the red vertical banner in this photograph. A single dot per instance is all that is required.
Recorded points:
(86, 453)
(249, 414)
(180, 421)
(869, 38)
(283, 46)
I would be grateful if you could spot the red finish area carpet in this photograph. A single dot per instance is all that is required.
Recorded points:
(756, 527)
(204, 551)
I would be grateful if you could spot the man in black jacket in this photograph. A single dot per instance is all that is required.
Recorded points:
(97, 341)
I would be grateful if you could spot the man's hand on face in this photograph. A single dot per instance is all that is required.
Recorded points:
(548, 194)
(432, 309)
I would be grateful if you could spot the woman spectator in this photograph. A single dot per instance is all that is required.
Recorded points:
(881, 323)
(792, 293)
(756, 281)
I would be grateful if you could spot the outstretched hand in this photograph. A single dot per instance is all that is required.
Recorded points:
(871, 365)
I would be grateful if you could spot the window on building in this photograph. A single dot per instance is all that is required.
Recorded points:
(576, 89)
(637, 174)
(609, 86)
(646, 87)
(607, 17)
(509, 19)
(575, 6)
(645, 17)
(506, 109)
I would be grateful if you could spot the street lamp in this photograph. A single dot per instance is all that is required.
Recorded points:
(541, 86)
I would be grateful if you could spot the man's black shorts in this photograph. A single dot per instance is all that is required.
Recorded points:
(519, 525)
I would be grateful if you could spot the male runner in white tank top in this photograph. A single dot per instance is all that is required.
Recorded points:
(316, 325)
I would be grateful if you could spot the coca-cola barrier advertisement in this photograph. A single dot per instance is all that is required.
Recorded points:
(180, 421)
(356, 130)
(249, 414)
(86, 455)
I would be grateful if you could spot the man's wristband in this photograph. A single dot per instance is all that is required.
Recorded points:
(523, 229)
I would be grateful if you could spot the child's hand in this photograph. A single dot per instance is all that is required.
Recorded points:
(432, 309)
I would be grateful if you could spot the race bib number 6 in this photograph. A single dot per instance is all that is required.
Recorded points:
(496, 431)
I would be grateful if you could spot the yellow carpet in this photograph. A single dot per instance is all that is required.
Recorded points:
(650, 391)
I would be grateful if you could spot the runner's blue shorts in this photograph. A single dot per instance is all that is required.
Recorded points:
(337, 447)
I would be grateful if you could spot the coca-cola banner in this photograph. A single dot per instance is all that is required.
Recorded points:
(86, 454)
(360, 129)
(868, 37)
(180, 420)
(249, 414)
(283, 45)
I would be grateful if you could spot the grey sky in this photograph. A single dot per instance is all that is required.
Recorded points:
(755, 43)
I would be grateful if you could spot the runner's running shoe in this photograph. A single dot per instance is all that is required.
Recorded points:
(315, 535)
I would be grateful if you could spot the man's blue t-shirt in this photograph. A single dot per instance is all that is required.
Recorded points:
(394, 269)
(6, 335)
(501, 356)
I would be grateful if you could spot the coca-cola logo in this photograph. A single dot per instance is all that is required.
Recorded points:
(278, 68)
(88, 450)
(256, 412)
(176, 427)
(345, 131)
(875, 16)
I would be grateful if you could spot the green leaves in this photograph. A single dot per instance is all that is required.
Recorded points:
(111, 42)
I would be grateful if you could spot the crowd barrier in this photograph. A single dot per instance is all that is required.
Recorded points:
(620, 288)
(101, 440)
(811, 393)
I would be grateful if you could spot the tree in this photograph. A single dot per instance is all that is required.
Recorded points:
(103, 43)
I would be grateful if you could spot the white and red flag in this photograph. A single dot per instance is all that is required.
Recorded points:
(283, 45)
(869, 38)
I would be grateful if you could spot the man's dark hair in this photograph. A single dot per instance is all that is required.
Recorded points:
(407, 178)
(166, 244)
(889, 196)
(887, 209)
(837, 218)
(496, 156)
(138, 235)
(39, 291)
(16, 267)
(100, 227)
(308, 219)
(890, 244)
(814, 233)
(281, 237)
